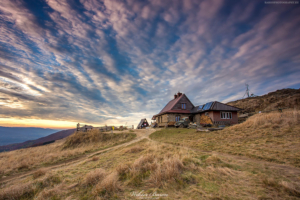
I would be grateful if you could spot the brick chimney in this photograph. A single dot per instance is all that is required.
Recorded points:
(179, 94)
(175, 96)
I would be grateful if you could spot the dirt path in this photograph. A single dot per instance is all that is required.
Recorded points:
(289, 171)
(141, 134)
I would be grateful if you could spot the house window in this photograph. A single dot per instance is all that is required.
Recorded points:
(177, 118)
(226, 115)
(183, 106)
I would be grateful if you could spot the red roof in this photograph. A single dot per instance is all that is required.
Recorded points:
(170, 105)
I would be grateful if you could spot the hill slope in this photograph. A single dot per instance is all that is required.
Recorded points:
(50, 138)
(284, 98)
(170, 166)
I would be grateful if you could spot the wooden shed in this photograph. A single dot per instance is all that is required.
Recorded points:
(143, 124)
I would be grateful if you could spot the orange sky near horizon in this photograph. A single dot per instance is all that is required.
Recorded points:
(38, 123)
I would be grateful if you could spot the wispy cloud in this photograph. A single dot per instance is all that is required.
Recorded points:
(115, 61)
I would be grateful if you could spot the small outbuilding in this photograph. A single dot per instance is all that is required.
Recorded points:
(143, 124)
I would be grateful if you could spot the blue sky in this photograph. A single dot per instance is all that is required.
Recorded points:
(117, 61)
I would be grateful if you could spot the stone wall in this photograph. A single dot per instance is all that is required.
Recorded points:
(197, 119)
(171, 118)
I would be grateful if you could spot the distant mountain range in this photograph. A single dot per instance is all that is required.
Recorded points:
(41, 141)
(10, 135)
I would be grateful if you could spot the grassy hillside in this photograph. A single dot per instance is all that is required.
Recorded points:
(73, 146)
(154, 168)
(269, 136)
(257, 159)
(285, 98)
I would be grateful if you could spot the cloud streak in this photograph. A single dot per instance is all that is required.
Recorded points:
(115, 61)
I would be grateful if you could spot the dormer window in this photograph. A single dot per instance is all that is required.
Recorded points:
(183, 106)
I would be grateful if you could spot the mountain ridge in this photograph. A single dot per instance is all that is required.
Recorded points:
(40, 141)
(279, 99)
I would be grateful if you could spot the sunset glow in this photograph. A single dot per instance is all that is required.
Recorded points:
(116, 62)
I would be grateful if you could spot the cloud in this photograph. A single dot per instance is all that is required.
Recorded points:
(116, 61)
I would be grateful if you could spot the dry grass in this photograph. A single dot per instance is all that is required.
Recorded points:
(180, 172)
(93, 177)
(280, 119)
(108, 186)
(135, 149)
(292, 189)
(40, 172)
(50, 180)
(26, 159)
(20, 191)
(93, 136)
(51, 193)
(268, 136)
(95, 158)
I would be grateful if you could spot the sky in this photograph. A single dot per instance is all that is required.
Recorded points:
(116, 61)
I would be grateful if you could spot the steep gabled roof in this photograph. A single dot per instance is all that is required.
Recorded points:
(141, 122)
(169, 107)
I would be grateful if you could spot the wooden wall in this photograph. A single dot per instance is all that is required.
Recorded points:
(185, 100)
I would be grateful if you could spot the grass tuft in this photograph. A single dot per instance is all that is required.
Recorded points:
(108, 186)
(39, 172)
(93, 177)
(20, 191)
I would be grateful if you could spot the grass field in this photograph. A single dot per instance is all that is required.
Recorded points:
(73, 146)
(150, 167)
(177, 164)
(272, 137)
